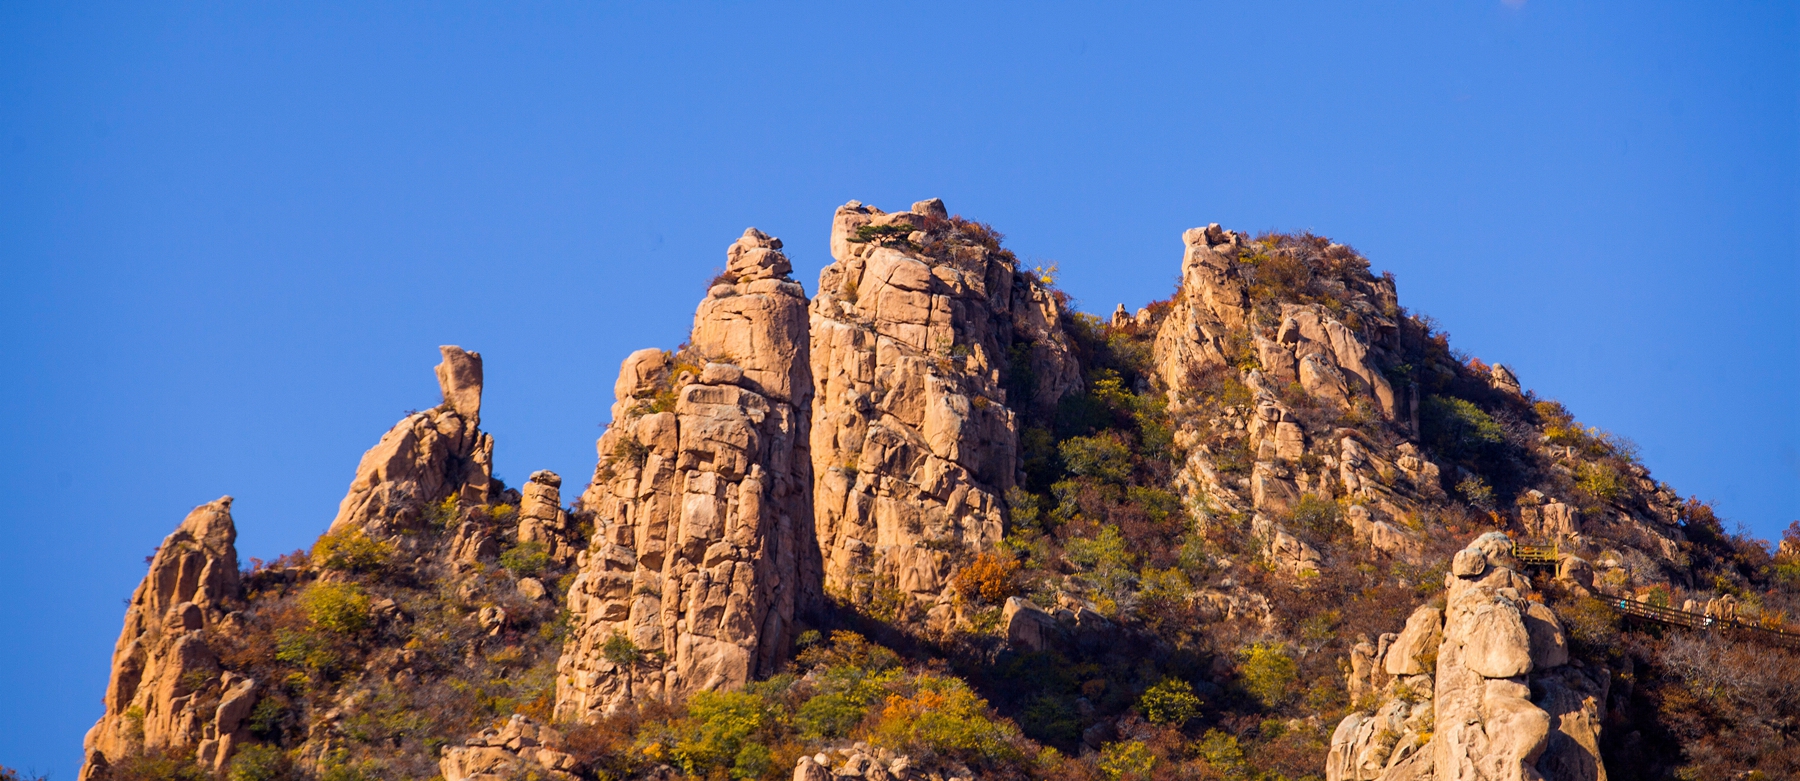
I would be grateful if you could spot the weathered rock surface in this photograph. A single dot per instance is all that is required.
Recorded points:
(425, 457)
(165, 690)
(703, 552)
(521, 749)
(914, 432)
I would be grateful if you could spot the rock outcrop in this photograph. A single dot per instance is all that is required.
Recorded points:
(916, 329)
(521, 749)
(703, 551)
(166, 691)
(425, 457)
(1482, 689)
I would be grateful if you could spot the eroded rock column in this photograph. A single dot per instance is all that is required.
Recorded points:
(164, 675)
(703, 547)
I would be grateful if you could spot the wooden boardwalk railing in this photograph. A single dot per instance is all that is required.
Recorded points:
(1702, 622)
(1546, 556)
(1536, 555)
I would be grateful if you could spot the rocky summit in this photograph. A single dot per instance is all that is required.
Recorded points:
(932, 522)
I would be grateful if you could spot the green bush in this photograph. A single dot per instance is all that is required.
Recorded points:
(351, 550)
(257, 762)
(1320, 518)
(339, 608)
(1268, 673)
(939, 715)
(1599, 480)
(1102, 457)
(1126, 760)
(1172, 702)
(718, 731)
(525, 560)
(1458, 429)
(1108, 562)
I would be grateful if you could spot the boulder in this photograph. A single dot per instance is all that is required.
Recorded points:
(1468, 563)
(1415, 651)
(459, 377)
(1028, 627)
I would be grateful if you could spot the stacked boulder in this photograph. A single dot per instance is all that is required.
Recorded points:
(703, 549)
(1482, 688)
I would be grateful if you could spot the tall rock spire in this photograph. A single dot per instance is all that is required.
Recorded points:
(703, 542)
(162, 667)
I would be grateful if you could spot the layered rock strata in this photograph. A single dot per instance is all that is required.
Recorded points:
(166, 691)
(917, 327)
(426, 456)
(703, 548)
(1483, 688)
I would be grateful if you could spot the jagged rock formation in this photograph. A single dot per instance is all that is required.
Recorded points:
(703, 546)
(426, 456)
(916, 328)
(856, 459)
(166, 690)
(1216, 325)
(1484, 688)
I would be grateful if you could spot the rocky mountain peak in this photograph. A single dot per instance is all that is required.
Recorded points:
(932, 523)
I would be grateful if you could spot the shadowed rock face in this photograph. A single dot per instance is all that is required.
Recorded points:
(425, 457)
(163, 671)
(703, 549)
(914, 434)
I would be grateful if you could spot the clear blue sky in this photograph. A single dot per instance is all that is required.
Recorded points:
(234, 235)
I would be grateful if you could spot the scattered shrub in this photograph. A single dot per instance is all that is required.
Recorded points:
(1458, 429)
(1127, 760)
(258, 762)
(1103, 457)
(1268, 673)
(526, 560)
(989, 579)
(350, 549)
(1171, 702)
(339, 608)
(939, 715)
(1599, 480)
(717, 734)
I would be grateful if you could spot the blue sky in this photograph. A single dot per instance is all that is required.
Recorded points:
(235, 234)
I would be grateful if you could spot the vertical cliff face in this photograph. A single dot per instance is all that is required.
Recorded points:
(927, 344)
(425, 457)
(165, 691)
(703, 550)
